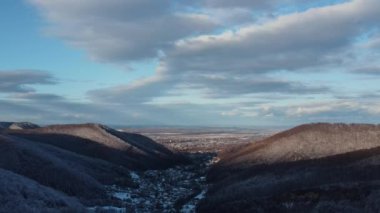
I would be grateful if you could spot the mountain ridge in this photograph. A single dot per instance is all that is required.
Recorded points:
(99, 141)
(306, 142)
(17, 125)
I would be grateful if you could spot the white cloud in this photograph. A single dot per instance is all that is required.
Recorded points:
(291, 42)
(19, 81)
(221, 50)
(118, 30)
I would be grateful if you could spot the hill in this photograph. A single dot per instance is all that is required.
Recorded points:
(309, 141)
(310, 168)
(93, 140)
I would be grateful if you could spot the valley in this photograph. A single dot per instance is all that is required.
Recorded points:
(317, 167)
(177, 189)
(206, 139)
(182, 187)
(117, 170)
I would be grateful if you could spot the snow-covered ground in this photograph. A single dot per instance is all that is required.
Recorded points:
(172, 190)
(109, 209)
(191, 205)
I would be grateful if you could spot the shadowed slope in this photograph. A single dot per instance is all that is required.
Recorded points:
(130, 150)
(20, 194)
(147, 145)
(59, 169)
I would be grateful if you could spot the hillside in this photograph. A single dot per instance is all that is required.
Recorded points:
(130, 150)
(20, 194)
(70, 173)
(310, 168)
(309, 141)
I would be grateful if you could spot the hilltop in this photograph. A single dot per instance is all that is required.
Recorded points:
(18, 125)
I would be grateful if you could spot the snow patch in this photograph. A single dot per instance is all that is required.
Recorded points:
(112, 209)
(188, 208)
(122, 195)
(135, 176)
(201, 195)
(191, 205)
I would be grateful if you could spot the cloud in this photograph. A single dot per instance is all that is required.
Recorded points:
(334, 111)
(210, 87)
(137, 92)
(16, 110)
(215, 87)
(349, 111)
(240, 59)
(262, 5)
(373, 70)
(373, 43)
(36, 96)
(46, 111)
(121, 31)
(289, 42)
(238, 3)
(12, 81)
(50, 108)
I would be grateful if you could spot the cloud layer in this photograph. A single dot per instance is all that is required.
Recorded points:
(214, 57)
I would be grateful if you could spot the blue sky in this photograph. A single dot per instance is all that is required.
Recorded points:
(201, 62)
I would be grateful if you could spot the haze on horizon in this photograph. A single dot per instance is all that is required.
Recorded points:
(200, 62)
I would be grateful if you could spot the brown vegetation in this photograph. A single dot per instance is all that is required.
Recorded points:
(307, 141)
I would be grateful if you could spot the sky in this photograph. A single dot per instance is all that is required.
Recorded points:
(196, 63)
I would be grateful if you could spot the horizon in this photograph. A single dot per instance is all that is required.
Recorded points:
(152, 126)
(278, 128)
(204, 63)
